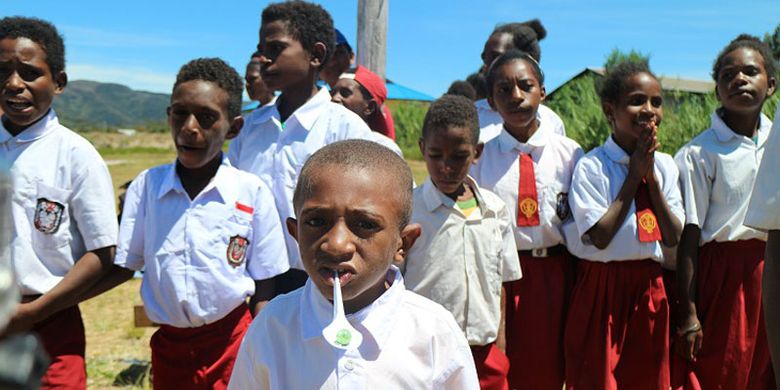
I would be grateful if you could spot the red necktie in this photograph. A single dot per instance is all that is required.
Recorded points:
(647, 224)
(527, 197)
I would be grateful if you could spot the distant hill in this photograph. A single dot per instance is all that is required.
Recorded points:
(91, 105)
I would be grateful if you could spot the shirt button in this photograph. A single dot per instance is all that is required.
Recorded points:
(349, 366)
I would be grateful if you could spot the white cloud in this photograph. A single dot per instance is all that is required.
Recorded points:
(134, 77)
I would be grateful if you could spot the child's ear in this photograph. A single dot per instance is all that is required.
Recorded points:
(370, 108)
(292, 227)
(421, 144)
(409, 235)
(490, 102)
(543, 95)
(478, 151)
(60, 82)
(318, 55)
(235, 127)
(609, 112)
(771, 86)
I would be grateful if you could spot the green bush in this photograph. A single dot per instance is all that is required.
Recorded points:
(408, 117)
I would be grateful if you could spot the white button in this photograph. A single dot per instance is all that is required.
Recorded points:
(349, 366)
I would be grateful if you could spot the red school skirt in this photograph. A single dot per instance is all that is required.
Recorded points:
(492, 366)
(734, 352)
(617, 330)
(63, 338)
(535, 316)
(198, 358)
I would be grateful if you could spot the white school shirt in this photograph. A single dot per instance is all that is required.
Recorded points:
(554, 157)
(197, 267)
(62, 204)
(460, 262)
(764, 209)
(597, 180)
(717, 171)
(409, 342)
(491, 123)
(276, 152)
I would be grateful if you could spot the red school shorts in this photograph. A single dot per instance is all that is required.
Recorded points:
(617, 329)
(63, 338)
(734, 352)
(198, 358)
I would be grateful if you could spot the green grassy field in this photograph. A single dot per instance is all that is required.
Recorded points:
(117, 352)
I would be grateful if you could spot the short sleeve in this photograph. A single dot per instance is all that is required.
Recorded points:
(130, 250)
(672, 188)
(268, 252)
(764, 209)
(459, 371)
(234, 148)
(695, 186)
(92, 200)
(510, 269)
(588, 195)
(247, 373)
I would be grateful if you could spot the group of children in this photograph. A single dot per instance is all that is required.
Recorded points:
(544, 263)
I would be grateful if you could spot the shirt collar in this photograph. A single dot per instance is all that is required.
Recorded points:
(308, 113)
(43, 127)
(378, 318)
(434, 198)
(171, 181)
(538, 140)
(615, 152)
(725, 134)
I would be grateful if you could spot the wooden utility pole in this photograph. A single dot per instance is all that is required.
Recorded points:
(372, 35)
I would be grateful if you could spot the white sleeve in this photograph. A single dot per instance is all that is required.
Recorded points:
(247, 373)
(460, 371)
(510, 264)
(267, 256)
(92, 201)
(130, 250)
(764, 209)
(588, 195)
(695, 186)
(671, 188)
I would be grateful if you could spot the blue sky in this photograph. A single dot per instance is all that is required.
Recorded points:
(142, 43)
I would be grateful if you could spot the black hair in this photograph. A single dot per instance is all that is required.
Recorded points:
(218, 72)
(525, 36)
(750, 42)
(462, 88)
(479, 82)
(509, 56)
(614, 82)
(306, 22)
(41, 32)
(451, 110)
(383, 163)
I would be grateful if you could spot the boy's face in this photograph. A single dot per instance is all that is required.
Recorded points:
(743, 83)
(448, 155)
(350, 224)
(347, 93)
(337, 64)
(516, 94)
(199, 122)
(285, 63)
(28, 87)
(255, 87)
(495, 46)
(638, 108)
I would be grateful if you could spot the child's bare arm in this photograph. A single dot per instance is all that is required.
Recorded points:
(688, 328)
(115, 276)
(670, 226)
(501, 336)
(68, 292)
(264, 290)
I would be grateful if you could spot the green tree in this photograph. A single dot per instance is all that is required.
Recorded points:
(773, 40)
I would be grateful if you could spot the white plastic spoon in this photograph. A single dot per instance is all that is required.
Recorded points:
(340, 333)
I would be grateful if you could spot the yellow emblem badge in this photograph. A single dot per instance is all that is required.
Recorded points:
(648, 223)
(528, 207)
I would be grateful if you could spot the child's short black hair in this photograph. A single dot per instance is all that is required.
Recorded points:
(751, 42)
(451, 110)
(525, 36)
(509, 56)
(614, 82)
(306, 22)
(218, 72)
(462, 88)
(478, 81)
(41, 32)
(360, 154)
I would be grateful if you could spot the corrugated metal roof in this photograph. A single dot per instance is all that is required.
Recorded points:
(667, 83)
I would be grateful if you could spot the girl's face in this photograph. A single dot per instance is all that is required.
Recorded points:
(743, 83)
(638, 108)
(516, 95)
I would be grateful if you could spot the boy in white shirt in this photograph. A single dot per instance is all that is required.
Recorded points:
(207, 234)
(64, 223)
(467, 247)
(353, 204)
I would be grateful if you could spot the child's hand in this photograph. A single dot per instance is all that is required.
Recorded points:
(643, 159)
(689, 337)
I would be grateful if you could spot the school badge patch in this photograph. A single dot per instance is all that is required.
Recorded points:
(562, 209)
(528, 207)
(48, 216)
(236, 251)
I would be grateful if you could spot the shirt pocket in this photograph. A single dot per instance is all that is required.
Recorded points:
(51, 217)
(235, 242)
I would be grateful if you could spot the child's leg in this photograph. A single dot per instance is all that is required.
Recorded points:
(63, 338)
(492, 367)
(617, 327)
(536, 307)
(734, 348)
(200, 357)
